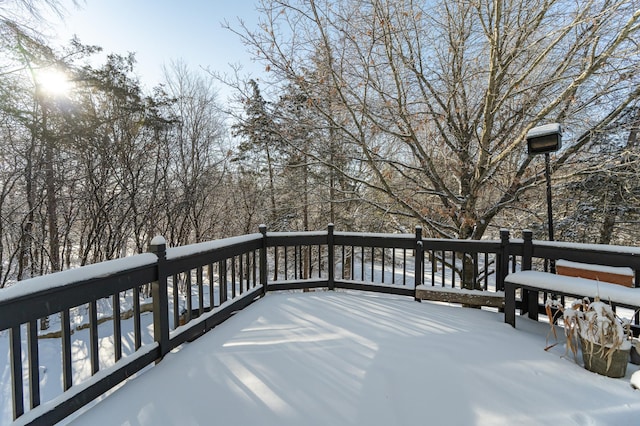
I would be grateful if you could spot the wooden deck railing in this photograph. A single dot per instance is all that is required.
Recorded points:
(194, 288)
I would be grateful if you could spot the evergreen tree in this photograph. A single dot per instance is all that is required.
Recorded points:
(261, 147)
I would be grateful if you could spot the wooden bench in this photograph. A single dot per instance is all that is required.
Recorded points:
(568, 286)
(475, 298)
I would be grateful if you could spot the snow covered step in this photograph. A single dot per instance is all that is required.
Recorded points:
(459, 295)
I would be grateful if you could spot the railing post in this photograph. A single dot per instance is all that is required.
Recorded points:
(419, 255)
(503, 260)
(529, 298)
(160, 297)
(331, 262)
(527, 250)
(263, 259)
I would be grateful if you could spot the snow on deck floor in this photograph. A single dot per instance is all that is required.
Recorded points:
(338, 358)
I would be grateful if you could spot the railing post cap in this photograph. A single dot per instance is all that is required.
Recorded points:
(263, 228)
(158, 246)
(158, 240)
(527, 233)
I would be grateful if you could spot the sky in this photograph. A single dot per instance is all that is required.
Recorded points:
(348, 358)
(159, 31)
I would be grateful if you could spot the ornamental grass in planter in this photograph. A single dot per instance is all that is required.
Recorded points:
(604, 338)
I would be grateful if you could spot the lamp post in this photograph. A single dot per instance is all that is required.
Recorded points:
(544, 140)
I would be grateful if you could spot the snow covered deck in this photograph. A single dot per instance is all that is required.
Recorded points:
(344, 358)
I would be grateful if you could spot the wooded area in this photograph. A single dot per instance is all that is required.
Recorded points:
(378, 116)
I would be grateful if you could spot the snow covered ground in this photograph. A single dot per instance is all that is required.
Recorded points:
(342, 358)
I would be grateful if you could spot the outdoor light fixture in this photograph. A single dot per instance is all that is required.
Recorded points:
(544, 139)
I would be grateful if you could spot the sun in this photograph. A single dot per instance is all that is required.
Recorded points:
(54, 81)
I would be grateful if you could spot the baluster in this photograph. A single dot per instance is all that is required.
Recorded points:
(239, 269)
(286, 262)
(233, 277)
(34, 365)
(93, 336)
(211, 280)
(404, 267)
(382, 262)
(67, 377)
(373, 259)
(486, 271)
(200, 290)
(444, 267)
(117, 327)
(188, 296)
(393, 265)
(222, 270)
(331, 257)
(176, 301)
(15, 354)
(137, 329)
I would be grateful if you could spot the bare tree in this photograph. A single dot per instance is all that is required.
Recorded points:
(438, 96)
(600, 198)
(198, 154)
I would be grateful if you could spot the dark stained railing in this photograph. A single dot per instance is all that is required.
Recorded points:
(174, 295)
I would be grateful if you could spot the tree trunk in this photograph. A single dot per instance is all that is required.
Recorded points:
(52, 202)
(26, 239)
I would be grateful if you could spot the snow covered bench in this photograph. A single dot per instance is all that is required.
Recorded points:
(462, 296)
(568, 286)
